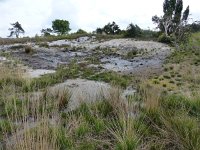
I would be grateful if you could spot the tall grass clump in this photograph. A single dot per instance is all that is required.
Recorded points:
(169, 121)
(33, 123)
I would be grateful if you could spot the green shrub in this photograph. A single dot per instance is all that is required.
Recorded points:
(131, 54)
(165, 39)
(133, 31)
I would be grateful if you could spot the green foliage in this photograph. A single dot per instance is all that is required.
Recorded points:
(150, 35)
(5, 125)
(64, 141)
(195, 26)
(46, 32)
(133, 31)
(104, 108)
(80, 31)
(99, 31)
(16, 29)
(109, 29)
(60, 26)
(82, 130)
(127, 144)
(131, 54)
(113, 78)
(173, 19)
(165, 39)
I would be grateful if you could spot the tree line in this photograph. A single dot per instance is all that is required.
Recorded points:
(62, 27)
(173, 25)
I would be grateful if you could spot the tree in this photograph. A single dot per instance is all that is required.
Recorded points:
(111, 28)
(16, 29)
(195, 26)
(60, 26)
(173, 18)
(133, 31)
(80, 31)
(99, 31)
(47, 31)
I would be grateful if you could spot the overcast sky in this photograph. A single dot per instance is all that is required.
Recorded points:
(34, 15)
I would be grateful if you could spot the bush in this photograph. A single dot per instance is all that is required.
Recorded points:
(133, 31)
(80, 31)
(28, 49)
(165, 39)
(131, 54)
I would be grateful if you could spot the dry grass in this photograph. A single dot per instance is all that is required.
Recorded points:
(150, 95)
(35, 122)
(10, 72)
(42, 120)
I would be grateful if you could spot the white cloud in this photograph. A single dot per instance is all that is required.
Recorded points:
(86, 14)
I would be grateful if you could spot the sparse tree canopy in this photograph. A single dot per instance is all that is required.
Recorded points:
(173, 16)
(47, 31)
(60, 26)
(16, 29)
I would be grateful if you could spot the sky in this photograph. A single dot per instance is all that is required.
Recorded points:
(35, 15)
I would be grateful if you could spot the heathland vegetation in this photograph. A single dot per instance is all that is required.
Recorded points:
(163, 113)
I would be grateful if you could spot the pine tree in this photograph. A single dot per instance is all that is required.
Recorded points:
(16, 29)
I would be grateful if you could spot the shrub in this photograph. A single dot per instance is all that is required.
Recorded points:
(80, 31)
(28, 49)
(165, 39)
(131, 54)
(133, 31)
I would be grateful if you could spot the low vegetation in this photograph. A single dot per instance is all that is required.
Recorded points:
(163, 114)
